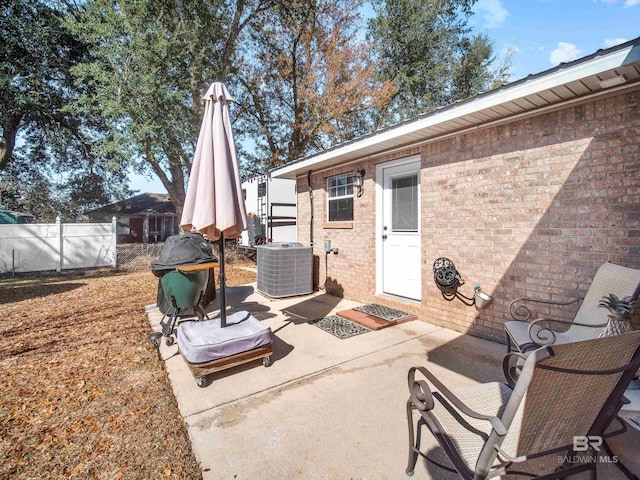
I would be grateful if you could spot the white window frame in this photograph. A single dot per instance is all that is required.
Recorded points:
(341, 197)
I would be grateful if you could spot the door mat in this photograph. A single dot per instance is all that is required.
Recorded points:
(370, 321)
(385, 313)
(339, 327)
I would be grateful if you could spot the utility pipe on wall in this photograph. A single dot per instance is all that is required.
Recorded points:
(311, 204)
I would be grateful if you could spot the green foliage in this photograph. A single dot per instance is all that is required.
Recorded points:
(37, 93)
(429, 53)
(96, 88)
(25, 187)
(34, 71)
(151, 63)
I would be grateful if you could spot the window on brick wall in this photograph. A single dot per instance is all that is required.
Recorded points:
(340, 198)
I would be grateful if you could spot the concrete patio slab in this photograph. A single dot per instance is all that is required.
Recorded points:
(326, 408)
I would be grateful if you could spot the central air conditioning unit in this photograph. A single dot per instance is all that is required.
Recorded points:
(285, 269)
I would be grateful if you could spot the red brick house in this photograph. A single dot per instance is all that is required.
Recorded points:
(144, 218)
(528, 189)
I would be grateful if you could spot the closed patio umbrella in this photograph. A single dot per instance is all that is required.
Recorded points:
(214, 205)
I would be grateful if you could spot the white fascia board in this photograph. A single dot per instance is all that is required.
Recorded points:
(594, 66)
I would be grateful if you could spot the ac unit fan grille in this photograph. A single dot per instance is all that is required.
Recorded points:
(285, 269)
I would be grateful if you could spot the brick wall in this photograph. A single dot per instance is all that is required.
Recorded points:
(530, 208)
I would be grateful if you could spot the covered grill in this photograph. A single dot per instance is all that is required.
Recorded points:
(188, 250)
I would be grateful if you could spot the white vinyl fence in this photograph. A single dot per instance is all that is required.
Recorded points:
(57, 246)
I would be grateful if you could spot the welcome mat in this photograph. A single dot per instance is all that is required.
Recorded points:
(339, 327)
(380, 311)
(376, 317)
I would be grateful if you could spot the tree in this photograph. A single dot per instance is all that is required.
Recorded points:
(25, 187)
(152, 62)
(36, 94)
(307, 79)
(429, 53)
(34, 61)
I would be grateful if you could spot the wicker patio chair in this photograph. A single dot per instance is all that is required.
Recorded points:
(523, 335)
(565, 390)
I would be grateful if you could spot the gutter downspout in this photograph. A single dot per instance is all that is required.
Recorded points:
(311, 204)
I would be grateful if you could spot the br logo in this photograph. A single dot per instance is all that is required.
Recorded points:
(583, 443)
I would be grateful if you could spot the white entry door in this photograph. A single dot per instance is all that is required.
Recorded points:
(400, 232)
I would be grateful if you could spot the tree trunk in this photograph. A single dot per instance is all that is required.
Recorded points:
(8, 141)
(175, 188)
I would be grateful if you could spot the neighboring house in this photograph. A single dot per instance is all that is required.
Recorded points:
(528, 189)
(145, 218)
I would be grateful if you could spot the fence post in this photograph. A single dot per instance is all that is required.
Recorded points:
(114, 228)
(60, 244)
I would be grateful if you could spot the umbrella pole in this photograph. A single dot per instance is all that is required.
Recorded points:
(223, 285)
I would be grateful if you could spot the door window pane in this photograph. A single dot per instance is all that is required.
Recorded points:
(404, 204)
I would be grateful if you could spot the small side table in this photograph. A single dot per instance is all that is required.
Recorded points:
(200, 266)
(203, 266)
(630, 412)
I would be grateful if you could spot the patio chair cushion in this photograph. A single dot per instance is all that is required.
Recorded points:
(204, 341)
(468, 435)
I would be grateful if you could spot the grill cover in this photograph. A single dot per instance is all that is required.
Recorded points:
(181, 250)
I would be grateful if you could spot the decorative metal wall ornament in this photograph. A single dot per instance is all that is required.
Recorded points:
(448, 280)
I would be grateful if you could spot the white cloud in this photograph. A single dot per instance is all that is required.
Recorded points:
(493, 13)
(564, 53)
(631, 3)
(612, 42)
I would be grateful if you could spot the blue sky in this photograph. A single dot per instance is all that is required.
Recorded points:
(541, 34)
(547, 32)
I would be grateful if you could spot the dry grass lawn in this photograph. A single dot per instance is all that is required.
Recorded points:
(83, 392)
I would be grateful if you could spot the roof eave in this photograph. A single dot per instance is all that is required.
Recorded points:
(418, 130)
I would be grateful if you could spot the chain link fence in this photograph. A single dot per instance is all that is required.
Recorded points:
(132, 257)
(137, 257)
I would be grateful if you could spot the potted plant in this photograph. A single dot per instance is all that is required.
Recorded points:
(620, 311)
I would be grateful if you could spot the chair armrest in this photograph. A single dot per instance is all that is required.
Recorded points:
(422, 398)
(541, 335)
(522, 312)
(512, 372)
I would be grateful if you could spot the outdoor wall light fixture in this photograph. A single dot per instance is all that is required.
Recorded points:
(448, 280)
(358, 180)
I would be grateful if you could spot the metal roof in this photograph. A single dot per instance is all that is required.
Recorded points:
(604, 71)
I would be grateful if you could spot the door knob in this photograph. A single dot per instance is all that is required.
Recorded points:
(384, 237)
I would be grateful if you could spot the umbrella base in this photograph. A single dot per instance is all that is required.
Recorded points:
(201, 370)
